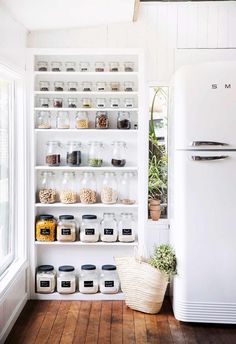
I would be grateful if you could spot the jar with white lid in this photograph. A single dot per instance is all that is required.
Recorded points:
(68, 194)
(114, 102)
(44, 102)
(56, 66)
(129, 102)
(72, 86)
(66, 228)
(44, 120)
(70, 66)
(47, 191)
(101, 86)
(101, 102)
(99, 66)
(89, 230)
(66, 280)
(126, 227)
(86, 86)
(128, 66)
(113, 66)
(59, 86)
(88, 190)
(108, 228)
(45, 279)
(63, 120)
(109, 192)
(109, 281)
(44, 86)
(42, 66)
(84, 67)
(88, 279)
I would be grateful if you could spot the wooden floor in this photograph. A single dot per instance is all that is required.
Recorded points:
(109, 322)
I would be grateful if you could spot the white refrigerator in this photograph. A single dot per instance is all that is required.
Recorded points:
(202, 191)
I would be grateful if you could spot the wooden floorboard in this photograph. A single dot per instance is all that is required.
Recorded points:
(97, 322)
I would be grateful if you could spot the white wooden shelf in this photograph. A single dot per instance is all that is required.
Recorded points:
(80, 243)
(88, 168)
(85, 109)
(88, 131)
(78, 296)
(64, 73)
(101, 93)
(81, 205)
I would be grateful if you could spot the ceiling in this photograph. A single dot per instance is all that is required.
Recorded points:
(61, 14)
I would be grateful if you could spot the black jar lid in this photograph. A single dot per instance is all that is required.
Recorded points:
(109, 267)
(46, 217)
(66, 268)
(88, 267)
(66, 217)
(45, 268)
(89, 217)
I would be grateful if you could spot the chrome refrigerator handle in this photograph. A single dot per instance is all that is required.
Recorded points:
(208, 158)
(207, 143)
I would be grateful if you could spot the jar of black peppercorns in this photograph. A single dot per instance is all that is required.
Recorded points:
(101, 120)
(123, 120)
(73, 155)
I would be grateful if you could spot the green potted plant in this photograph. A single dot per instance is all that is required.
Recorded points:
(164, 260)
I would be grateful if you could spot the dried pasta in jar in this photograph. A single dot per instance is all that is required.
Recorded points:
(45, 228)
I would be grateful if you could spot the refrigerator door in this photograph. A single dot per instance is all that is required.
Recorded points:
(203, 233)
(204, 106)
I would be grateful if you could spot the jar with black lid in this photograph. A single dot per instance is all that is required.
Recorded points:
(109, 281)
(88, 279)
(45, 228)
(45, 279)
(66, 280)
(66, 228)
(89, 231)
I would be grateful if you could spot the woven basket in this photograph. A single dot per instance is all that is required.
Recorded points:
(143, 286)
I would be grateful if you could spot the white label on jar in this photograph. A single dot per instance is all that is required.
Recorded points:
(45, 231)
(65, 284)
(109, 284)
(89, 231)
(108, 231)
(88, 284)
(65, 231)
(126, 231)
(44, 284)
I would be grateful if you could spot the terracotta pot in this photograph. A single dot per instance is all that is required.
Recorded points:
(154, 202)
(155, 207)
(155, 215)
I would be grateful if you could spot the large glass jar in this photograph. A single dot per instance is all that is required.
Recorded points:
(73, 155)
(118, 154)
(66, 228)
(123, 120)
(72, 86)
(56, 66)
(86, 86)
(44, 86)
(126, 227)
(88, 190)
(66, 280)
(89, 230)
(88, 279)
(95, 154)
(109, 192)
(44, 120)
(63, 120)
(101, 120)
(42, 66)
(113, 66)
(109, 228)
(81, 120)
(125, 189)
(45, 279)
(84, 67)
(99, 66)
(72, 103)
(68, 193)
(59, 86)
(109, 281)
(47, 191)
(44, 102)
(57, 102)
(70, 66)
(45, 228)
(101, 86)
(53, 155)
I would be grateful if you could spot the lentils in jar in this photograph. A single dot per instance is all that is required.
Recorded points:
(45, 228)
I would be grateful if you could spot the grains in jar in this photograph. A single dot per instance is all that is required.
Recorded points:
(66, 228)
(45, 228)
(45, 279)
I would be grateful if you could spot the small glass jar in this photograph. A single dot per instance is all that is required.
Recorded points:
(108, 227)
(101, 86)
(44, 86)
(73, 155)
(70, 66)
(88, 279)
(86, 102)
(63, 120)
(126, 192)
(128, 66)
(53, 155)
(126, 227)
(115, 86)
(129, 102)
(128, 86)
(84, 67)
(88, 190)
(101, 120)
(95, 154)
(44, 120)
(118, 154)
(123, 120)
(109, 192)
(68, 193)
(47, 191)
(113, 66)
(72, 103)
(86, 86)
(101, 102)
(42, 66)
(59, 86)
(56, 66)
(109, 281)
(89, 230)
(44, 102)
(57, 102)
(45, 228)
(72, 86)
(45, 279)
(81, 120)
(66, 228)
(99, 67)
(66, 280)
(114, 102)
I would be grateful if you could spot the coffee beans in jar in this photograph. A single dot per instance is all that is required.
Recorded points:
(123, 120)
(101, 120)
(53, 157)
(45, 228)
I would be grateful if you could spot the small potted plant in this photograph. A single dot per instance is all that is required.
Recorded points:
(164, 260)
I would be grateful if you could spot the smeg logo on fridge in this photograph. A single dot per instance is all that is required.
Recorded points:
(220, 86)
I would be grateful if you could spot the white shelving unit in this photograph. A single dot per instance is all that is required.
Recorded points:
(78, 253)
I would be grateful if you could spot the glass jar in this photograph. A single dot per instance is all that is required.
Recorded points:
(126, 193)
(44, 86)
(118, 154)
(68, 193)
(115, 86)
(101, 120)
(101, 102)
(108, 227)
(101, 86)
(88, 279)
(56, 66)
(47, 191)
(88, 190)
(123, 120)
(86, 102)
(53, 156)
(109, 192)
(45, 279)
(63, 120)
(70, 66)
(58, 86)
(66, 228)
(73, 155)
(58, 102)
(72, 103)
(99, 66)
(44, 102)
(128, 66)
(113, 66)
(45, 228)
(72, 86)
(66, 280)
(95, 154)
(114, 102)
(84, 67)
(89, 231)
(128, 86)
(126, 227)
(42, 66)
(44, 120)
(86, 86)
(81, 120)
(129, 102)
(109, 281)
